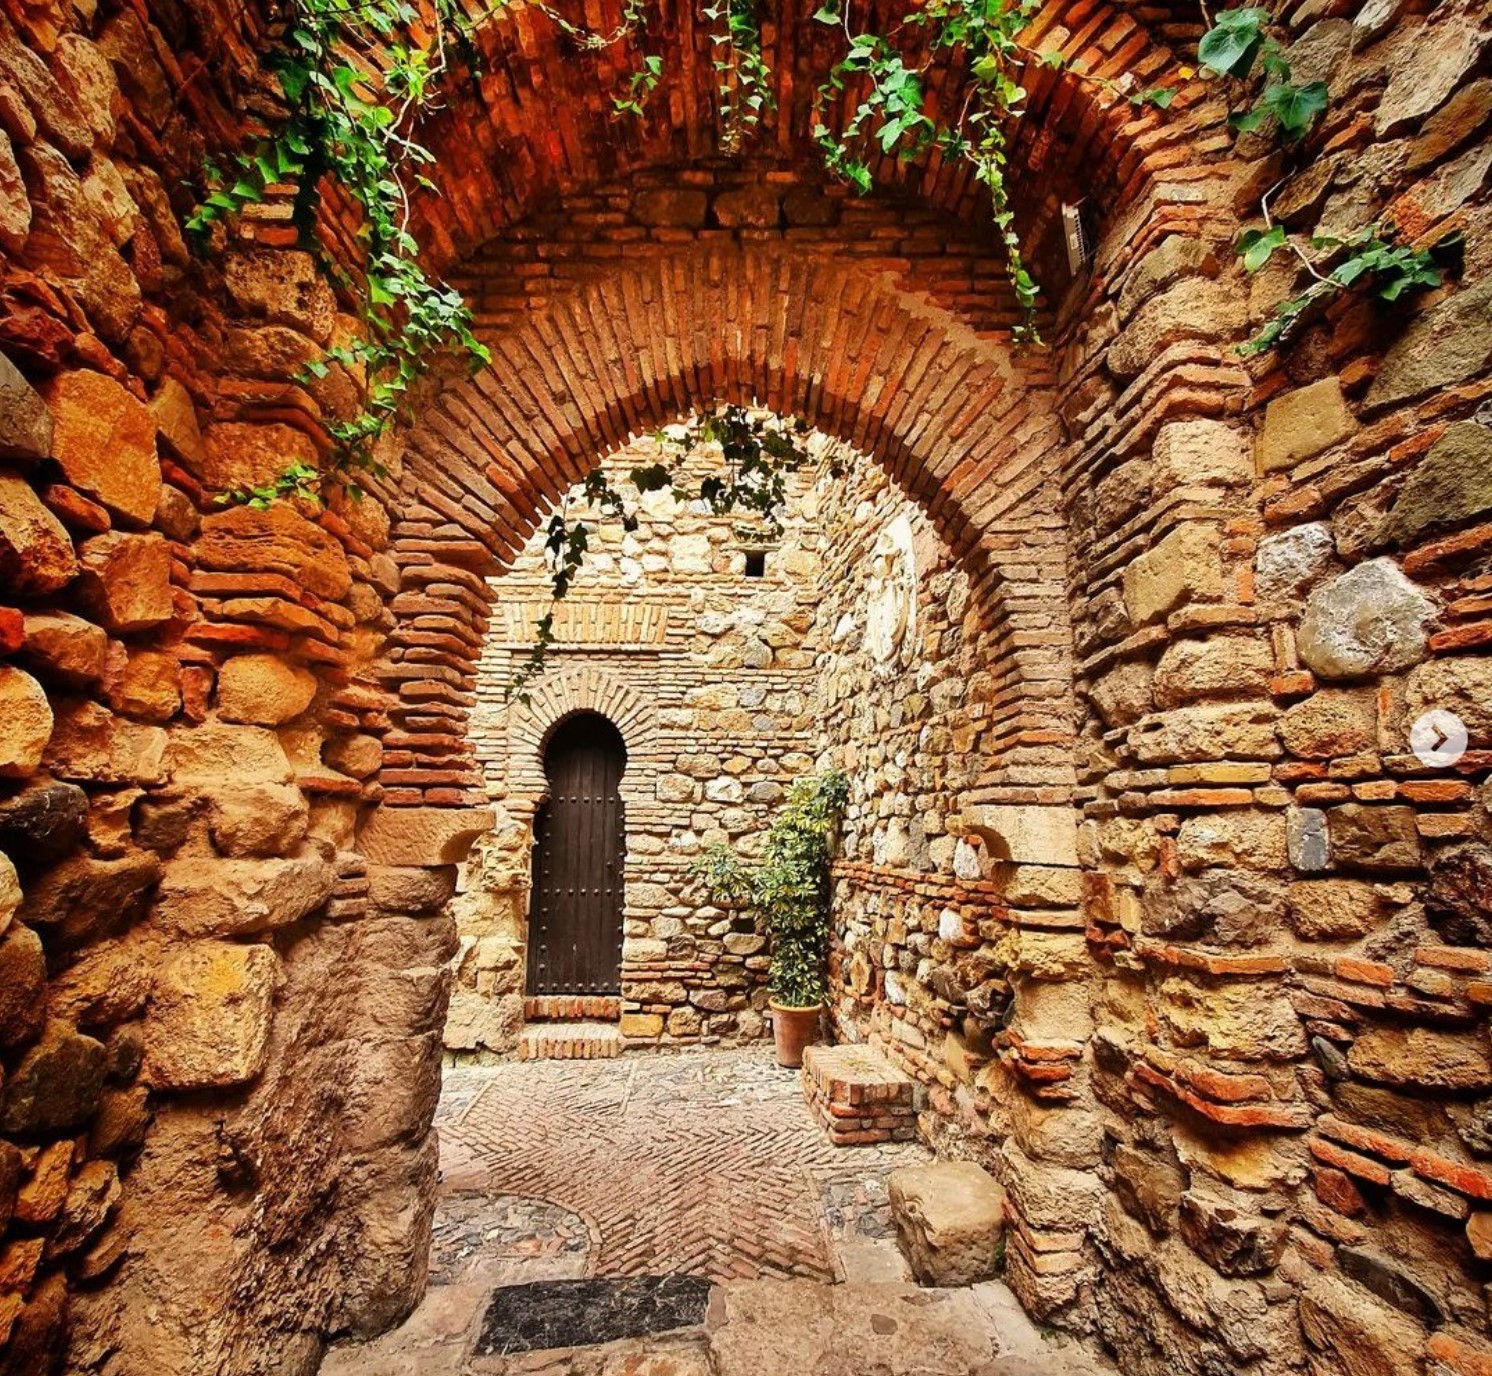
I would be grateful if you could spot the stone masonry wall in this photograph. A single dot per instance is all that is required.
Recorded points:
(1240, 1112)
(219, 1024)
(708, 675)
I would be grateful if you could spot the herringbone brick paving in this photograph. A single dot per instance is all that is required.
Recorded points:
(704, 1163)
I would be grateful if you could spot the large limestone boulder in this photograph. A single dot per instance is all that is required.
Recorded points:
(36, 554)
(126, 581)
(276, 540)
(104, 439)
(949, 1216)
(202, 897)
(1371, 620)
(28, 723)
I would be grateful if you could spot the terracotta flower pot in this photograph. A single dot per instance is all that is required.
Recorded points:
(793, 1029)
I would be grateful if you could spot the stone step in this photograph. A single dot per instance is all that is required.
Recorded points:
(569, 1041)
(572, 1008)
(949, 1216)
(858, 1095)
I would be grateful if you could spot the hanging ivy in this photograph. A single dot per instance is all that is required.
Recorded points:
(759, 450)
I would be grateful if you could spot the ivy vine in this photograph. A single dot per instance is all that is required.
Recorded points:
(759, 449)
(356, 75)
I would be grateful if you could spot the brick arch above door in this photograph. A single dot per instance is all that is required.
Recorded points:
(561, 693)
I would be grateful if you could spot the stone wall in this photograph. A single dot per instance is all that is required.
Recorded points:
(219, 1023)
(1239, 1111)
(709, 676)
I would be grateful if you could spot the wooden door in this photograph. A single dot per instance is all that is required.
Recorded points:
(575, 907)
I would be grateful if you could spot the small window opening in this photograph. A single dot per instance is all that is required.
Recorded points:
(756, 563)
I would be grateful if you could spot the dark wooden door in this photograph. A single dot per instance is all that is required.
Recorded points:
(575, 909)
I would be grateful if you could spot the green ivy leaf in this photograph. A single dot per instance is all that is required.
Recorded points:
(1257, 246)
(1230, 46)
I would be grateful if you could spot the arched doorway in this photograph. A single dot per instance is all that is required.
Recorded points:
(576, 901)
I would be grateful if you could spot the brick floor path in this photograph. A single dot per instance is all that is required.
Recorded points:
(703, 1163)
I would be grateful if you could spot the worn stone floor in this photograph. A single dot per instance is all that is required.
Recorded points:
(702, 1164)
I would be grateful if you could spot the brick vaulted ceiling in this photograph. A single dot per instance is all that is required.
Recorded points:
(531, 117)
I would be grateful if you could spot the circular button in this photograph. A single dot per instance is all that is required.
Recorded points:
(1438, 738)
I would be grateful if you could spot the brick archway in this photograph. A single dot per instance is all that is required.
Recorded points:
(558, 695)
(963, 425)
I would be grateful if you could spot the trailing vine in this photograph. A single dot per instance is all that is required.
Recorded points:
(759, 449)
(356, 75)
(349, 116)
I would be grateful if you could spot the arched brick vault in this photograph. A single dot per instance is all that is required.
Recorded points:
(537, 119)
(964, 426)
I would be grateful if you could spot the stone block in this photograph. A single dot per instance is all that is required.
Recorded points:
(284, 287)
(1184, 566)
(1026, 833)
(1451, 486)
(276, 540)
(1148, 1187)
(425, 836)
(25, 422)
(209, 1019)
(1370, 620)
(85, 897)
(28, 723)
(1334, 909)
(411, 888)
(36, 552)
(1332, 723)
(1381, 839)
(65, 649)
(125, 581)
(55, 1086)
(1449, 343)
(1188, 452)
(208, 755)
(1303, 423)
(1194, 308)
(249, 455)
(23, 986)
(91, 745)
(1220, 666)
(263, 690)
(258, 819)
(1422, 1058)
(43, 821)
(1288, 563)
(949, 1217)
(104, 440)
(175, 417)
(1461, 684)
(203, 897)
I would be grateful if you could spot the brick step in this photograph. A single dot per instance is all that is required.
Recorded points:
(569, 1041)
(572, 1008)
(858, 1095)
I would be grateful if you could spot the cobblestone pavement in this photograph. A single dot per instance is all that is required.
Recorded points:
(703, 1164)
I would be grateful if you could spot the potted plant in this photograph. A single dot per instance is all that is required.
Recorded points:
(788, 888)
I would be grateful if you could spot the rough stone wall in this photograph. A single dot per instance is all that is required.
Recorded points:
(219, 1025)
(708, 674)
(1268, 1153)
(1274, 574)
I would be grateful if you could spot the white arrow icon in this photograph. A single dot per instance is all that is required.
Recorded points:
(1438, 738)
